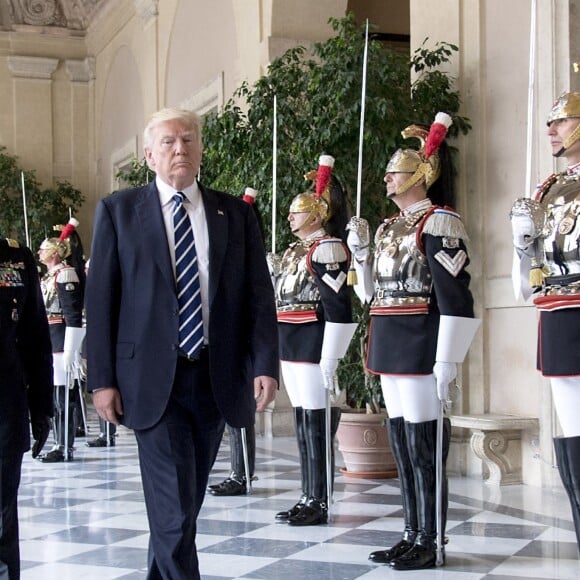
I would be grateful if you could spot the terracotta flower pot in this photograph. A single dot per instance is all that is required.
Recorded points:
(364, 444)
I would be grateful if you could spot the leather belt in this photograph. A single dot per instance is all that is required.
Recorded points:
(203, 352)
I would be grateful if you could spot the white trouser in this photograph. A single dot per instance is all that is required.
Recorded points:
(413, 397)
(566, 395)
(304, 384)
(58, 374)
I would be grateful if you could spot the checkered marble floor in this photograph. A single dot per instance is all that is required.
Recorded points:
(86, 519)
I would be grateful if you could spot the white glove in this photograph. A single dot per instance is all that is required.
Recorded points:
(358, 238)
(523, 231)
(73, 339)
(444, 373)
(328, 367)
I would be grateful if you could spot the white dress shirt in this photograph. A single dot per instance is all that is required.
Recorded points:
(193, 205)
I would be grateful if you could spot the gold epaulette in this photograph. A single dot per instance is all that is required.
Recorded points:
(12, 243)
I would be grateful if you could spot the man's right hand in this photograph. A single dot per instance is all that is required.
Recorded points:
(108, 404)
(523, 231)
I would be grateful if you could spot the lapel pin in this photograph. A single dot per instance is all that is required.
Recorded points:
(220, 212)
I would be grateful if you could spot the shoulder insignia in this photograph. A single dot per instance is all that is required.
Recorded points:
(544, 187)
(329, 251)
(67, 276)
(12, 243)
(444, 222)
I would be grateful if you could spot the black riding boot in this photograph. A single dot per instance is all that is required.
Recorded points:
(303, 456)
(236, 483)
(398, 441)
(57, 453)
(422, 445)
(568, 458)
(315, 511)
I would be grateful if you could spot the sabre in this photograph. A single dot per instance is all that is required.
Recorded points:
(439, 484)
(521, 286)
(531, 83)
(67, 387)
(274, 174)
(24, 209)
(362, 123)
(329, 474)
(246, 461)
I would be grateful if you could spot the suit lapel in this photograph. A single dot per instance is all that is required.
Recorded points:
(217, 229)
(150, 217)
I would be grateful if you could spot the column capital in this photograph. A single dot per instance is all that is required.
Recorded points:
(32, 67)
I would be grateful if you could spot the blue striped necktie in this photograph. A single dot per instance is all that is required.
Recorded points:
(187, 279)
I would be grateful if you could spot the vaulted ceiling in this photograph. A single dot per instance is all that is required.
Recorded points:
(73, 16)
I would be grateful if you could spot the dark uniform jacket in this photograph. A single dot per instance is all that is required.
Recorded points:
(25, 349)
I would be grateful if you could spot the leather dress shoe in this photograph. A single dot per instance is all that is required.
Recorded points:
(56, 456)
(229, 486)
(419, 557)
(284, 516)
(404, 545)
(313, 513)
(101, 442)
(386, 556)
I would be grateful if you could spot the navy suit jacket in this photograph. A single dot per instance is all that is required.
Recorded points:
(132, 310)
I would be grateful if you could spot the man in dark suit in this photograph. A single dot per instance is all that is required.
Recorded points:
(25, 386)
(139, 370)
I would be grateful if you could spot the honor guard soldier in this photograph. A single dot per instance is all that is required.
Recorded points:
(237, 482)
(418, 288)
(63, 298)
(25, 385)
(546, 237)
(314, 317)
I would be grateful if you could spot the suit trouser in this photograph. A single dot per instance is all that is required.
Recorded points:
(176, 456)
(10, 468)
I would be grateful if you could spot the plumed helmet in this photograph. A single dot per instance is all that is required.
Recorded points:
(61, 245)
(423, 163)
(566, 106)
(317, 203)
(250, 195)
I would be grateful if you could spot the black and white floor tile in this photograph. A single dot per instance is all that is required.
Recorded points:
(86, 519)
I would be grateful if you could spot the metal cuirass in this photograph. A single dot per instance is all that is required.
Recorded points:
(50, 295)
(561, 243)
(400, 271)
(295, 287)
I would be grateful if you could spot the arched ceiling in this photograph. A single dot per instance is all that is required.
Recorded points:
(60, 16)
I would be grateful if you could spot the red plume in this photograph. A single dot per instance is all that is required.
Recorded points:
(69, 229)
(325, 165)
(437, 133)
(250, 195)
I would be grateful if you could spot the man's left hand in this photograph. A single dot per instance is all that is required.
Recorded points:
(264, 391)
(444, 373)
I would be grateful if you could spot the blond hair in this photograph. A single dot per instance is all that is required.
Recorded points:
(190, 119)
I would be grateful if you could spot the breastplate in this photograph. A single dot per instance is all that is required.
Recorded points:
(295, 286)
(50, 295)
(562, 233)
(400, 270)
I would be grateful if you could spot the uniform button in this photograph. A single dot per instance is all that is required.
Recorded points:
(174, 347)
